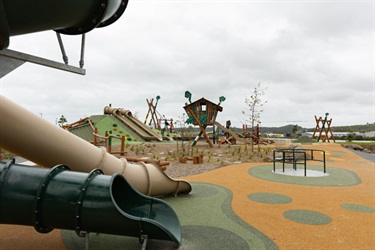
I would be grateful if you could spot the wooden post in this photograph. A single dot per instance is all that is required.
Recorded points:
(110, 142)
(317, 127)
(195, 160)
(95, 133)
(122, 145)
(106, 139)
(328, 131)
(200, 159)
(149, 109)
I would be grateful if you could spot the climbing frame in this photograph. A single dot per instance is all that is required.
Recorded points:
(323, 125)
(152, 111)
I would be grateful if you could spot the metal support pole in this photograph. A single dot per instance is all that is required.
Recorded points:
(110, 135)
(82, 61)
(64, 56)
(324, 159)
(87, 241)
(304, 153)
(324, 122)
(144, 239)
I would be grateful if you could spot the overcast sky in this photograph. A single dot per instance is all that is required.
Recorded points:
(312, 56)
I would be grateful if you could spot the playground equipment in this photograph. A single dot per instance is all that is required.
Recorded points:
(198, 159)
(152, 111)
(168, 123)
(106, 140)
(232, 137)
(68, 17)
(324, 128)
(30, 136)
(94, 136)
(51, 198)
(58, 198)
(133, 123)
(22, 17)
(254, 135)
(298, 156)
(202, 113)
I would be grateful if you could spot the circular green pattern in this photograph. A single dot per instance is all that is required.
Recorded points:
(336, 177)
(358, 208)
(307, 217)
(270, 198)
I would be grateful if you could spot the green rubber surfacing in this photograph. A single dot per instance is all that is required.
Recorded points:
(336, 177)
(307, 217)
(207, 222)
(358, 208)
(269, 198)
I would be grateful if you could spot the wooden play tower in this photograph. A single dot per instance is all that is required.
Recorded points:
(323, 127)
(202, 113)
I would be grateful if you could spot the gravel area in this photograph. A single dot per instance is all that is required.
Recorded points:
(213, 158)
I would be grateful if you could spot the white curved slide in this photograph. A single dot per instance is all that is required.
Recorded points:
(30, 136)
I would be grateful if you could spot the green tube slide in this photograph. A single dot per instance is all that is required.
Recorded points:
(70, 17)
(63, 199)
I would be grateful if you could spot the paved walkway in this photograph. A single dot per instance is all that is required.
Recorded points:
(247, 206)
(365, 155)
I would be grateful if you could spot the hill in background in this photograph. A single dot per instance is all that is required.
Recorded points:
(288, 129)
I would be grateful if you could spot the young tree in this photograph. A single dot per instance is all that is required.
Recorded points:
(181, 130)
(62, 120)
(295, 129)
(255, 104)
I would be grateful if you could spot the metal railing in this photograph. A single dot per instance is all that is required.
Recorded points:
(297, 157)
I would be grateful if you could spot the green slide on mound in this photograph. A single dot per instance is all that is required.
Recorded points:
(58, 198)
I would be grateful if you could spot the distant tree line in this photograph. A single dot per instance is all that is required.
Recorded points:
(356, 128)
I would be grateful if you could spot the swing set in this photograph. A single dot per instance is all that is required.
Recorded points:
(168, 123)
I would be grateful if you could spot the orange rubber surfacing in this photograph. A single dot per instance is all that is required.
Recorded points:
(347, 230)
(350, 208)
